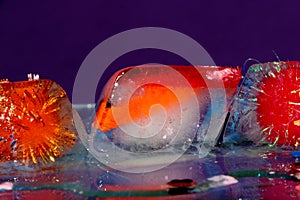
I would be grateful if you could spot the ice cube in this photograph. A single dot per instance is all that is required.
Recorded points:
(266, 109)
(146, 108)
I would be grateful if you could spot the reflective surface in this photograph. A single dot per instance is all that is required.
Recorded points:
(262, 173)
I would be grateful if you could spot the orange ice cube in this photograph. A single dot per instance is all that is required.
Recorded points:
(36, 123)
(149, 94)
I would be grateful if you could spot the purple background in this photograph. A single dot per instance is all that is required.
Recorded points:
(52, 38)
